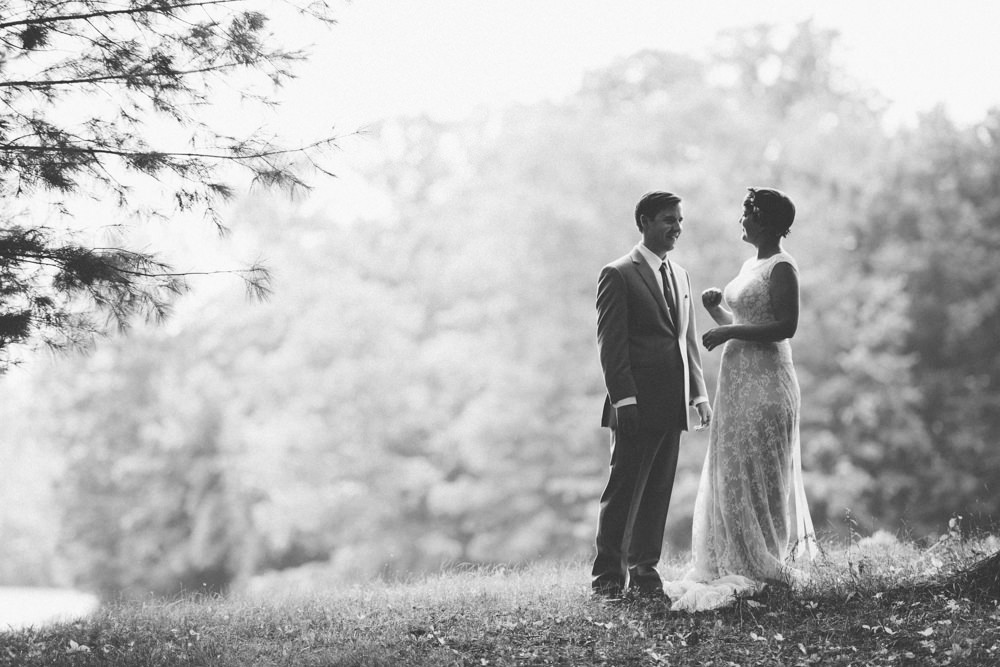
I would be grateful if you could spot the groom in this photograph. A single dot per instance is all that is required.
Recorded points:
(652, 370)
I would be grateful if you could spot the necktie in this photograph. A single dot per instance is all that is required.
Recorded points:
(668, 294)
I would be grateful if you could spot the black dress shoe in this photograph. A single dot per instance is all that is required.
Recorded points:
(648, 594)
(607, 592)
(644, 577)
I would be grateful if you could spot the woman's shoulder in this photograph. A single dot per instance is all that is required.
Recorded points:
(783, 258)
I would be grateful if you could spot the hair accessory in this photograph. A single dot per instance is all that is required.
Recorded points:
(754, 208)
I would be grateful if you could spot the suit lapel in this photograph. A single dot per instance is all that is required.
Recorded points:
(646, 272)
(681, 294)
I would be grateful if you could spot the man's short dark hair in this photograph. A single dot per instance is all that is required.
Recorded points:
(652, 203)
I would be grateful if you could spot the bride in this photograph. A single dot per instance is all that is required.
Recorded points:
(751, 521)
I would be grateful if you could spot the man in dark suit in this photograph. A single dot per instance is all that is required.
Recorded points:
(652, 370)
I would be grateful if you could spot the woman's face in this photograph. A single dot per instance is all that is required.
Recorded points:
(750, 221)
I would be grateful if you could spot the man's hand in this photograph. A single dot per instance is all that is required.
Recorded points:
(628, 419)
(705, 413)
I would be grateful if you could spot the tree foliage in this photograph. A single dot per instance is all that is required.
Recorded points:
(934, 226)
(427, 390)
(109, 101)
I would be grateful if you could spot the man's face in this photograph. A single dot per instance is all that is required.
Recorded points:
(660, 232)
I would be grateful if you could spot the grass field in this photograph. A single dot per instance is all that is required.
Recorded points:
(878, 602)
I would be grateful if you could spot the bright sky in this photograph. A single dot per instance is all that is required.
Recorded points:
(446, 57)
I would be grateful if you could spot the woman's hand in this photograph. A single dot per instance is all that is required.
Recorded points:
(716, 337)
(711, 298)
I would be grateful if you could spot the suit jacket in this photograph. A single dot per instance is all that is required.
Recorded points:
(644, 352)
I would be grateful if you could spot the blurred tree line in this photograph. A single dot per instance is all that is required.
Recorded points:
(424, 387)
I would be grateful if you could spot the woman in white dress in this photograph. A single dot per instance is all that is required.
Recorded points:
(751, 520)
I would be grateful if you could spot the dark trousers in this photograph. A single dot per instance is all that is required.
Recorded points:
(633, 510)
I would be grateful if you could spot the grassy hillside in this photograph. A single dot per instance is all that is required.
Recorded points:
(878, 602)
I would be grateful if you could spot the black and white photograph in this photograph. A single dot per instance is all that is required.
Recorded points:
(467, 333)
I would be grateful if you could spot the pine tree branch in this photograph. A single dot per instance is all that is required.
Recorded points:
(151, 8)
(52, 83)
(52, 291)
(73, 150)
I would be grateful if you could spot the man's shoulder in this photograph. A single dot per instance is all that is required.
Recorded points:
(621, 262)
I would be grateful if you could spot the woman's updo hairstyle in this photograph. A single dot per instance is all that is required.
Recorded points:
(775, 211)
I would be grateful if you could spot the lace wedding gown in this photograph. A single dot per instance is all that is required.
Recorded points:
(751, 521)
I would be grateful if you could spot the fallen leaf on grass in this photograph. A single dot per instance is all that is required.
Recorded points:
(875, 628)
(77, 648)
(657, 657)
